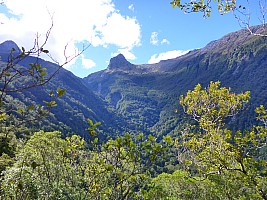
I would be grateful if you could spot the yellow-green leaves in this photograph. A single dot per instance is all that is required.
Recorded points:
(262, 114)
(235, 159)
(3, 116)
(205, 6)
(60, 92)
(92, 128)
(211, 105)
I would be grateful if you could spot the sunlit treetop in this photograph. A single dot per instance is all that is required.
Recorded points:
(206, 6)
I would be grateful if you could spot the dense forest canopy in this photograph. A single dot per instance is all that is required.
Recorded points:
(200, 155)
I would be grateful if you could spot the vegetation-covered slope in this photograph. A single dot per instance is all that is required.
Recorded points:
(147, 95)
(128, 97)
(205, 160)
(72, 110)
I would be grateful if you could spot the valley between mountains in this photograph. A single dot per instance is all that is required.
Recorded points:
(145, 98)
(192, 127)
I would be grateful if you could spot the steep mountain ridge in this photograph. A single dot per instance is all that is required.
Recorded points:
(119, 63)
(72, 110)
(147, 96)
(9, 45)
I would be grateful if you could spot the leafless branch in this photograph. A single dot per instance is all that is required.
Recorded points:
(15, 77)
(263, 11)
(37, 50)
(243, 15)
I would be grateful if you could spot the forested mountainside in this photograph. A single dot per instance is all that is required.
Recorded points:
(73, 109)
(201, 159)
(147, 96)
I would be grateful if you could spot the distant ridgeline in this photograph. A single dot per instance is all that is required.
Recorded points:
(73, 109)
(145, 98)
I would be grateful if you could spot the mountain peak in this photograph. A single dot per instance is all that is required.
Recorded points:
(119, 56)
(234, 39)
(119, 62)
(7, 46)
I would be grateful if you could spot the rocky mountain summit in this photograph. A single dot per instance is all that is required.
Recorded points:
(147, 95)
(119, 63)
(145, 98)
(8, 45)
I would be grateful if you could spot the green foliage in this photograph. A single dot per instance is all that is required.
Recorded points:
(205, 6)
(212, 105)
(92, 128)
(217, 163)
(46, 167)
(262, 114)
(16, 79)
(145, 97)
(236, 160)
(49, 167)
(179, 185)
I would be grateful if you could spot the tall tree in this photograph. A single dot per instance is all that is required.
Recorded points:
(235, 160)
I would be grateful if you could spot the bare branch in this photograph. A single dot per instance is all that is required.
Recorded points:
(243, 15)
(16, 78)
(263, 10)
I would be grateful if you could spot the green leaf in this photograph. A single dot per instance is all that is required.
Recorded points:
(95, 140)
(50, 103)
(45, 51)
(30, 107)
(167, 139)
(3, 116)
(51, 93)
(151, 137)
(42, 74)
(109, 167)
(90, 122)
(60, 92)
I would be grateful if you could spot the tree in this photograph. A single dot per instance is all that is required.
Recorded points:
(242, 12)
(49, 167)
(235, 160)
(204, 6)
(212, 105)
(16, 77)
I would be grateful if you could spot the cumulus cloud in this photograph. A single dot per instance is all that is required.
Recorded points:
(97, 22)
(126, 52)
(121, 31)
(154, 38)
(166, 55)
(87, 63)
(165, 41)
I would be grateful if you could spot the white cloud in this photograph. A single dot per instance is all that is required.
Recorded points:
(166, 55)
(126, 52)
(97, 22)
(121, 31)
(131, 7)
(165, 41)
(154, 38)
(87, 63)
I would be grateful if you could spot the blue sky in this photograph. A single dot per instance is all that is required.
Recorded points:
(144, 31)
